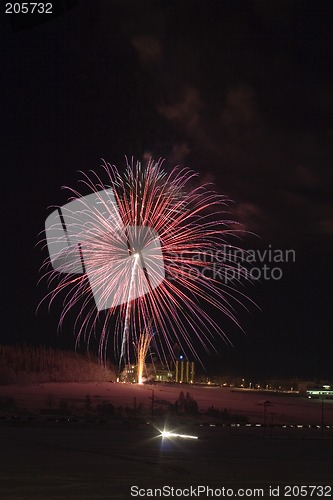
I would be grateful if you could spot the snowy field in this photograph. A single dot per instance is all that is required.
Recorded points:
(87, 461)
(53, 463)
(284, 409)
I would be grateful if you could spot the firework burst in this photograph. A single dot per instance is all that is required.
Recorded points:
(144, 246)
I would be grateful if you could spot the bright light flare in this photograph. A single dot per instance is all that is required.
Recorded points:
(168, 434)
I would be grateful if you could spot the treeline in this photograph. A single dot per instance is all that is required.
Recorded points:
(20, 364)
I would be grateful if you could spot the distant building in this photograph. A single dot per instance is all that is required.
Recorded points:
(129, 374)
(184, 372)
(163, 374)
(324, 391)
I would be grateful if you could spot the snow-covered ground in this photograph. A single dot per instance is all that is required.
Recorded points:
(283, 408)
(103, 462)
(64, 461)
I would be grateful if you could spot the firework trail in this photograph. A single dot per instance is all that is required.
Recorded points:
(143, 346)
(177, 233)
(128, 305)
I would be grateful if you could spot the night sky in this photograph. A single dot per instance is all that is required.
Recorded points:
(240, 91)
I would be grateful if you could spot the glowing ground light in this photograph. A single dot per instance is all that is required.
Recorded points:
(142, 247)
(168, 434)
(143, 346)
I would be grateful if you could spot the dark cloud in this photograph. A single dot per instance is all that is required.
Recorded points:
(148, 48)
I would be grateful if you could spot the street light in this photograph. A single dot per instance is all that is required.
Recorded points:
(266, 403)
(322, 415)
(152, 405)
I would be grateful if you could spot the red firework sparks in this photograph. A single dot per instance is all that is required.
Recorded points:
(143, 244)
